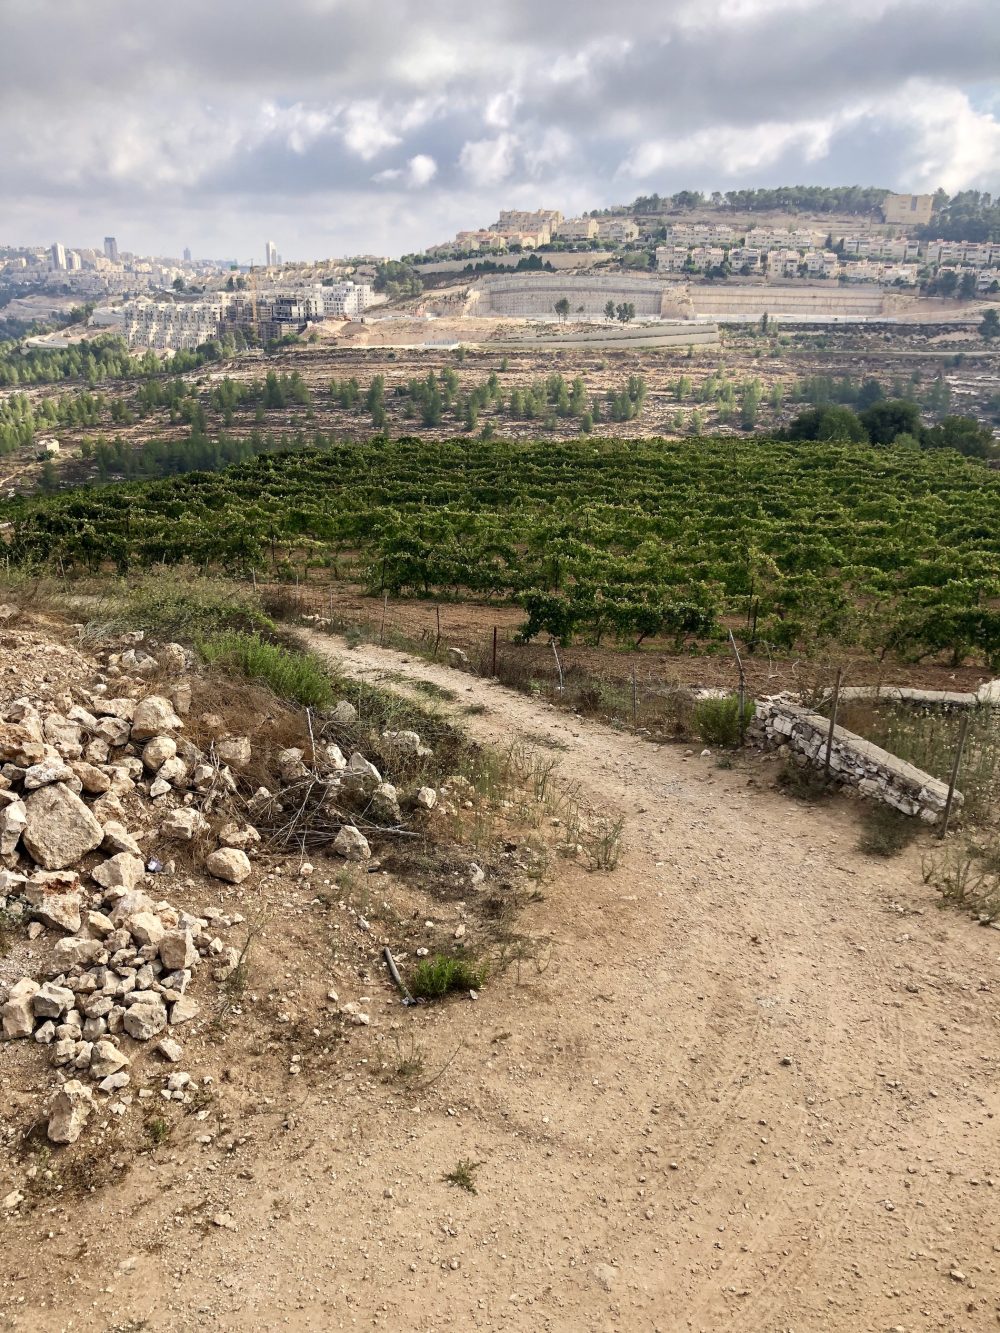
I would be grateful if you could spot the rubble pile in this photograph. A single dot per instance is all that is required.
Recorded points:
(97, 783)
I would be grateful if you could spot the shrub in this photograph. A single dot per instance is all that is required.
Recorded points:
(296, 676)
(718, 720)
(185, 606)
(434, 977)
(885, 832)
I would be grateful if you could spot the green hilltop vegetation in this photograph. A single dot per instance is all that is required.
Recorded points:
(801, 542)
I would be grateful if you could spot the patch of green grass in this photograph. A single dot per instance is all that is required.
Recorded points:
(433, 690)
(292, 674)
(462, 1174)
(602, 842)
(178, 604)
(157, 1130)
(885, 832)
(718, 720)
(433, 978)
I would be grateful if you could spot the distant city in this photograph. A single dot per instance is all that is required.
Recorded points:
(173, 304)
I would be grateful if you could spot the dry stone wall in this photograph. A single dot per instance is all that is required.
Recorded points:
(853, 761)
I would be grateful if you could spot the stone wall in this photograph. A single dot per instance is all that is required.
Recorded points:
(853, 760)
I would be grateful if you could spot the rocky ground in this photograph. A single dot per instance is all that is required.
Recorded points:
(746, 1080)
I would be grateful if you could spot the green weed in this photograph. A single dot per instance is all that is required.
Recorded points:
(292, 674)
(462, 1175)
(718, 720)
(433, 978)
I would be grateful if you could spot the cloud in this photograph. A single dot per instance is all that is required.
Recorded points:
(212, 118)
(488, 161)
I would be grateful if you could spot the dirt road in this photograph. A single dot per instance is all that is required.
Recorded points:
(755, 1089)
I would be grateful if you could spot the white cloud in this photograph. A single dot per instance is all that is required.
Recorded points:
(489, 161)
(421, 170)
(729, 150)
(366, 130)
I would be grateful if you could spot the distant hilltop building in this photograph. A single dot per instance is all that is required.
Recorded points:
(187, 254)
(58, 256)
(272, 314)
(271, 259)
(111, 249)
(908, 209)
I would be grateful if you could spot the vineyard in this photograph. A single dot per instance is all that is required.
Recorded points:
(796, 543)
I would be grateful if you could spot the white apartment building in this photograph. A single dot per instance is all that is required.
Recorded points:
(517, 219)
(171, 326)
(349, 299)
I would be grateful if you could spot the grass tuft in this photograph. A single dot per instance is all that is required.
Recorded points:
(462, 1175)
(885, 832)
(434, 978)
(293, 675)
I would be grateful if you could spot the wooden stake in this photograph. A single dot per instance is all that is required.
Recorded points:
(437, 640)
(494, 671)
(635, 701)
(742, 693)
(381, 632)
(833, 722)
(954, 774)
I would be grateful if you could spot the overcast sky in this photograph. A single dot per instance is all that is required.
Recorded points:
(339, 126)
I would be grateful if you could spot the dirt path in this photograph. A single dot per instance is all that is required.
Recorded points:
(792, 1059)
(754, 1090)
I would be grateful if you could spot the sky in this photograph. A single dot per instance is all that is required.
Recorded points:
(338, 127)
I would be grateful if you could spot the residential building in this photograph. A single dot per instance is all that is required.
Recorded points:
(516, 219)
(347, 298)
(58, 254)
(270, 254)
(619, 230)
(482, 239)
(577, 229)
(111, 249)
(73, 261)
(172, 326)
(187, 255)
(913, 210)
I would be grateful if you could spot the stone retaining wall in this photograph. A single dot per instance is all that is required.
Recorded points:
(853, 760)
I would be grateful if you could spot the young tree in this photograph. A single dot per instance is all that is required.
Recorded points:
(609, 311)
(989, 327)
(563, 308)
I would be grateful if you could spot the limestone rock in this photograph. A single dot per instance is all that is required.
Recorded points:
(229, 864)
(54, 899)
(426, 798)
(107, 1059)
(52, 1001)
(157, 751)
(174, 771)
(114, 731)
(290, 764)
(173, 658)
(143, 1022)
(123, 871)
(73, 950)
(22, 743)
(359, 767)
(18, 1013)
(154, 716)
(235, 750)
(13, 820)
(183, 825)
(60, 830)
(170, 1050)
(69, 1111)
(95, 781)
(49, 770)
(118, 839)
(177, 950)
(384, 805)
(345, 713)
(183, 1010)
(146, 928)
(352, 844)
